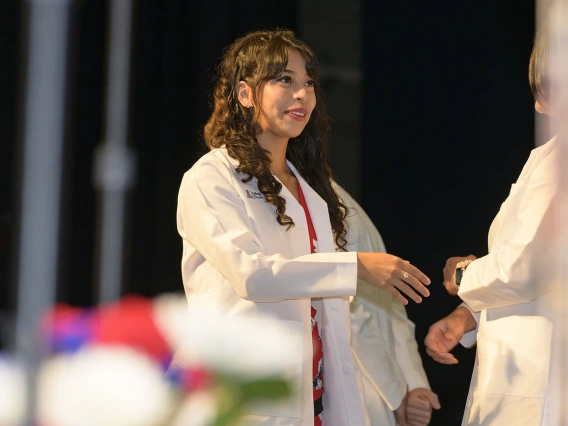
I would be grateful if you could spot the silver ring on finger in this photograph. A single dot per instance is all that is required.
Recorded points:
(404, 276)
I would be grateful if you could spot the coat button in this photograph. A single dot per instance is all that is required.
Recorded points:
(347, 368)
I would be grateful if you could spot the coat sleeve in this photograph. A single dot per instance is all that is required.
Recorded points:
(507, 276)
(406, 348)
(470, 338)
(213, 219)
(374, 355)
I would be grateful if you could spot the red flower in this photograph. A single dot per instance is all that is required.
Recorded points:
(130, 321)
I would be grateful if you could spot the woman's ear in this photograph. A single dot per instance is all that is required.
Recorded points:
(244, 94)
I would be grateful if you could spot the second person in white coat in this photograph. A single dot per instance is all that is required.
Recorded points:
(508, 307)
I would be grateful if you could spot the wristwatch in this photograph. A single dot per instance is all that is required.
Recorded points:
(460, 269)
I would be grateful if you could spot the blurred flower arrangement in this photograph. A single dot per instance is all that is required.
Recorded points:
(150, 362)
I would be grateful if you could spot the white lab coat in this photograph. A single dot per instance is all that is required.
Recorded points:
(238, 259)
(382, 336)
(510, 380)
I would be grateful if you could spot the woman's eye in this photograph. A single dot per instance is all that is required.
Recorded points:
(285, 79)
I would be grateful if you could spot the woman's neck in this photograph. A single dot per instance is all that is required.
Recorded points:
(277, 153)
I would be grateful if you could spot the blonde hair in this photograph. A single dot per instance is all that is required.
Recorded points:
(538, 76)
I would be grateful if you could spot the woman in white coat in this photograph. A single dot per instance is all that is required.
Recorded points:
(506, 306)
(383, 340)
(382, 336)
(260, 223)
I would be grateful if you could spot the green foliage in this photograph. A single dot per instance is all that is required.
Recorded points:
(238, 393)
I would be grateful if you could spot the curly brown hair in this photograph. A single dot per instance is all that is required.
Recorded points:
(255, 59)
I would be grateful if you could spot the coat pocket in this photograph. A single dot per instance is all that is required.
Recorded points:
(514, 355)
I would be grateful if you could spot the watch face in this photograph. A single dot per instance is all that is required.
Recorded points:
(458, 275)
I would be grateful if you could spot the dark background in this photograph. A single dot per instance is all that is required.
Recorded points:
(433, 120)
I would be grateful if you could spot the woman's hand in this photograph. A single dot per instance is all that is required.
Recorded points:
(393, 275)
(450, 270)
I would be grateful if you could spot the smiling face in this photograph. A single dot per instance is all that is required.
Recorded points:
(286, 101)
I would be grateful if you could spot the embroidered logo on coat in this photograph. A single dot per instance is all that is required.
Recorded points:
(254, 195)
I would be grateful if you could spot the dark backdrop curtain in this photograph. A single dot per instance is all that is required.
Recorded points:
(9, 85)
(448, 123)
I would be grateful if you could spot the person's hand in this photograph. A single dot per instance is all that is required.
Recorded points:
(419, 405)
(445, 334)
(400, 412)
(449, 271)
(393, 275)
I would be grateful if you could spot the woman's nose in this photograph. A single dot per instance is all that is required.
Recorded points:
(300, 94)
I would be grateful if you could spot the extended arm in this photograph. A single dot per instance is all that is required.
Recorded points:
(213, 219)
(507, 275)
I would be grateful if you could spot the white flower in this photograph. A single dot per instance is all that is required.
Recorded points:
(171, 317)
(12, 393)
(110, 386)
(253, 347)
